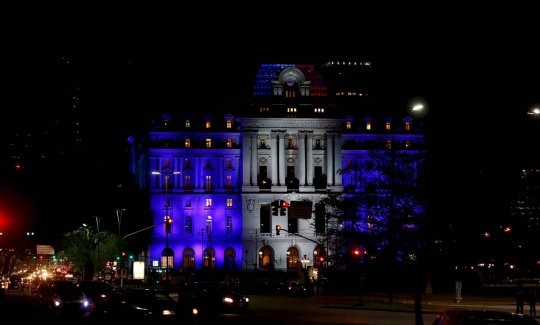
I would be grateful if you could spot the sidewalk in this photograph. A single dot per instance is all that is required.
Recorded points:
(431, 303)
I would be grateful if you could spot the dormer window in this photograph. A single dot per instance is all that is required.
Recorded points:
(368, 126)
(407, 144)
(388, 126)
(348, 125)
(188, 143)
(229, 143)
(407, 126)
(208, 124)
(229, 124)
(208, 143)
(188, 124)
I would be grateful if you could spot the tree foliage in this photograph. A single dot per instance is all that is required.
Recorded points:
(382, 213)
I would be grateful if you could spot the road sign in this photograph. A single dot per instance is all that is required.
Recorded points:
(44, 250)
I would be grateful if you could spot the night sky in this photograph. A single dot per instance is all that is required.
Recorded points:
(479, 82)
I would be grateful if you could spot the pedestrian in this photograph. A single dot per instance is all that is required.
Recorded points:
(520, 298)
(531, 299)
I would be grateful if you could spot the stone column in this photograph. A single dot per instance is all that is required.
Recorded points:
(329, 159)
(246, 163)
(309, 158)
(282, 136)
(254, 159)
(302, 157)
(338, 163)
(273, 153)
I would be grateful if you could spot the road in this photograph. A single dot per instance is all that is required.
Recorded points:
(275, 310)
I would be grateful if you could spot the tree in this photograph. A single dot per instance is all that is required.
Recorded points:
(81, 248)
(384, 213)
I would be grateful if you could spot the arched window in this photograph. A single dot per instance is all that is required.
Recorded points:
(167, 258)
(265, 259)
(230, 259)
(189, 258)
(292, 258)
(209, 258)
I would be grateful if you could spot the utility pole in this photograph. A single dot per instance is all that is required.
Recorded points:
(119, 213)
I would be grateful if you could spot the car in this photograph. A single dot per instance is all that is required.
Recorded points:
(61, 297)
(481, 317)
(96, 291)
(212, 298)
(295, 288)
(140, 304)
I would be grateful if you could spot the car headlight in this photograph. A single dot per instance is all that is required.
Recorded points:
(247, 299)
(228, 300)
(57, 302)
(168, 312)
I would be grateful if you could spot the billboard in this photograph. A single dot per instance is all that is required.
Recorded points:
(45, 250)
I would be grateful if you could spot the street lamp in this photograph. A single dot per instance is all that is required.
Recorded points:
(305, 261)
(167, 172)
(98, 220)
(119, 213)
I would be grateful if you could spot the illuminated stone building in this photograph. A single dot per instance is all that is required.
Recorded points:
(228, 176)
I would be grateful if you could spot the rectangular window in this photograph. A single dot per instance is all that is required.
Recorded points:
(349, 163)
(208, 183)
(208, 202)
(208, 124)
(229, 124)
(188, 124)
(188, 226)
(187, 182)
(166, 163)
(265, 219)
(228, 163)
(208, 143)
(388, 126)
(368, 126)
(188, 203)
(208, 225)
(187, 163)
(349, 125)
(407, 143)
(228, 182)
(164, 261)
(208, 163)
(407, 126)
(388, 144)
(188, 143)
(229, 143)
(229, 202)
(291, 109)
(166, 143)
(229, 224)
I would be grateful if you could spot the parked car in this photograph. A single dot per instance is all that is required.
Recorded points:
(96, 291)
(139, 305)
(212, 298)
(61, 297)
(481, 317)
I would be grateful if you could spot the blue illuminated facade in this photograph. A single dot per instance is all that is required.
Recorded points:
(219, 172)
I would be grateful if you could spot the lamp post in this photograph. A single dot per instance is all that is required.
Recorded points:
(119, 213)
(167, 172)
(98, 220)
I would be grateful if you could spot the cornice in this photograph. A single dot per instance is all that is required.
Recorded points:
(290, 123)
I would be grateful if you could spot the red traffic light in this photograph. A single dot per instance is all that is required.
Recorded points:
(356, 252)
(123, 253)
(321, 259)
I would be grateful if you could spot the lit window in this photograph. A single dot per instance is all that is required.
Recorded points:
(188, 225)
(229, 143)
(208, 183)
(188, 143)
(388, 144)
(229, 124)
(368, 126)
(349, 125)
(229, 224)
(319, 110)
(228, 182)
(407, 143)
(208, 202)
(187, 183)
(209, 225)
(208, 124)
(264, 109)
(188, 124)
(208, 143)
(291, 109)
(388, 126)
(164, 261)
(407, 126)
(229, 202)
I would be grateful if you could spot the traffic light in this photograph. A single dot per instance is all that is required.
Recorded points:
(29, 233)
(123, 254)
(283, 207)
(168, 225)
(321, 259)
(278, 229)
(275, 208)
(356, 252)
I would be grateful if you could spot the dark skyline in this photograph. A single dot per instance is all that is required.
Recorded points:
(478, 90)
